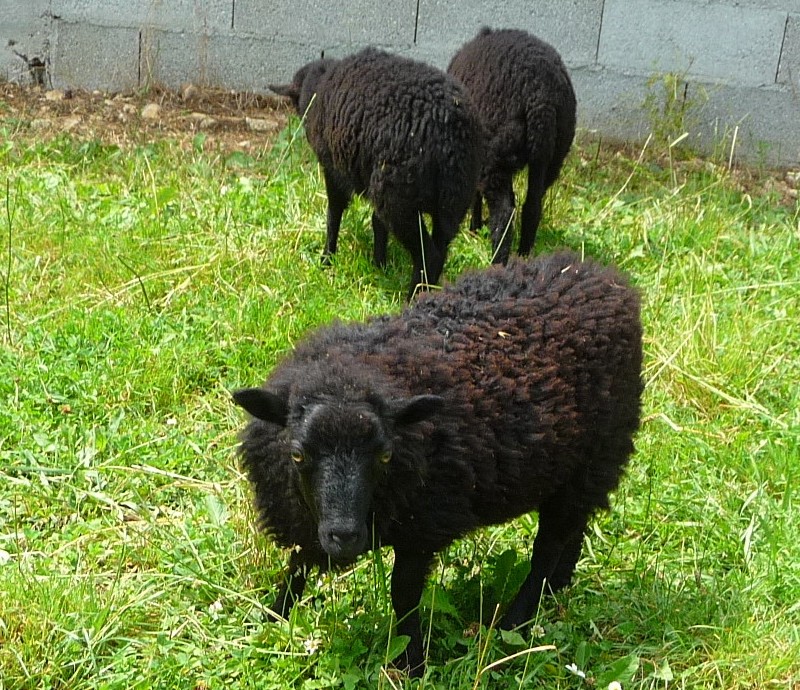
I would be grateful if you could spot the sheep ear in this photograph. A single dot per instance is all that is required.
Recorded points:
(416, 409)
(288, 90)
(262, 404)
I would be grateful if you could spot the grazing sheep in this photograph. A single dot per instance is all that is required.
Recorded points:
(514, 389)
(400, 132)
(523, 93)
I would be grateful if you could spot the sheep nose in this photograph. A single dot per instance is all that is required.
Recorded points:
(343, 541)
(344, 538)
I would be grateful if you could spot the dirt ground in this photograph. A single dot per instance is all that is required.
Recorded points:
(230, 120)
(235, 121)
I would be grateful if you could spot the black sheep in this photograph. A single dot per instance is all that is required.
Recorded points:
(514, 389)
(400, 132)
(526, 102)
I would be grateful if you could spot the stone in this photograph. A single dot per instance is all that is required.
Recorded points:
(189, 92)
(259, 125)
(152, 111)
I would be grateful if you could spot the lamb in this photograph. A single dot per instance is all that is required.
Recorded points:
(400, 132)
(526, 102)
(514, 389)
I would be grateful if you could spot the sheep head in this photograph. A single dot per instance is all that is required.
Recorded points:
(341, 449)
(304, 84)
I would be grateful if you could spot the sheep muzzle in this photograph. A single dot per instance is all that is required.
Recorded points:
(342, 540)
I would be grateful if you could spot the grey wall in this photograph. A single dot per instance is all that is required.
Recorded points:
(737, 61)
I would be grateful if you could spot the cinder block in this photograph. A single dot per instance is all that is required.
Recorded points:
(95, 57)
(356, 23)
(714, 41)
(22, 12)
(224, 60)
(611, 102)
(176, 15)
(24, 28)
(784, 5)
(789, 70)
(766, 121)
(436, 54)
(571, 26)
(26, 40)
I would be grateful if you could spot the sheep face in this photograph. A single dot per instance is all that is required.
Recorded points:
(341, 450)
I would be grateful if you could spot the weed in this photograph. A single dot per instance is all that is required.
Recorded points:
(671, 104)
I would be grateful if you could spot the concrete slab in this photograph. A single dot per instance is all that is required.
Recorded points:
(729, 43)
(571, 26)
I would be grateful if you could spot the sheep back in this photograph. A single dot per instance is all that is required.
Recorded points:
(396, 129)
(524, 95)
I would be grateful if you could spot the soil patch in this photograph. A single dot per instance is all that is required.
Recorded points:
(228, 120)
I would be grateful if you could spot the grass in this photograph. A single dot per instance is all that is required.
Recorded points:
(140, 285)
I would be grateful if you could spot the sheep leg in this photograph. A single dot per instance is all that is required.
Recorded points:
(532, 208)
(562, 575)
(413, 235)
(380, 235)
(408, 580)
(292, 588)
(338, 201)
(445, 227)
(500, 199)
(476, 220)
(561, 527)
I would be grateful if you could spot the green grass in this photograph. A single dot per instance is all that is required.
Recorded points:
(141, 285)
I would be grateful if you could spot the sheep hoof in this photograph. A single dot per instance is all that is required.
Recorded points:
(559, 581)
(412, 664)
(475, 225)
(282, 606)
(515, 617)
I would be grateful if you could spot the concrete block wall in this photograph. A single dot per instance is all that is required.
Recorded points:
(736, 63)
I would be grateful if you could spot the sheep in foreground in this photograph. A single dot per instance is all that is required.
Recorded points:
(400, 132)
(524, 95)
(514, 389)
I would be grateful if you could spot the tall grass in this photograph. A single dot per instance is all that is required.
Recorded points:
(142, 284)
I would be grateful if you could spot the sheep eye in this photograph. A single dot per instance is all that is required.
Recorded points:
(297, 454)
(385, 456)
